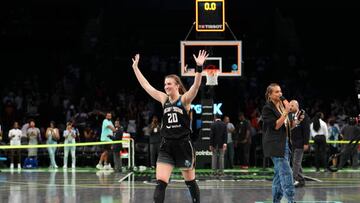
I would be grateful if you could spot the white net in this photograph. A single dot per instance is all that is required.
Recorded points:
(211, 77)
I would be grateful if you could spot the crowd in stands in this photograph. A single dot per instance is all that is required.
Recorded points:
(25, 100)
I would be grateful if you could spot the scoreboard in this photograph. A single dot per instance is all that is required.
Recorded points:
(210, 15)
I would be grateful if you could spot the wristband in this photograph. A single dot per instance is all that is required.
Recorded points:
(199, 69)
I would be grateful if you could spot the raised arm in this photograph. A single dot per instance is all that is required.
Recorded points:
(154, 93)
(190, 95)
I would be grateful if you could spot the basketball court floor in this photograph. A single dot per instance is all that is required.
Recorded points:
(89, 185)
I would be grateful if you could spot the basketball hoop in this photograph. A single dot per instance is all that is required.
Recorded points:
(211, 77)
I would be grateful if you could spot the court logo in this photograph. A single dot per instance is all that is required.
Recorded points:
(204, 153)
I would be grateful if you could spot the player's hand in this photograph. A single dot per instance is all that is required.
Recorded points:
(135, 61)
(200, 59)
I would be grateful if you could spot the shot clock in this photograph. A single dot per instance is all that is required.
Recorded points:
(210, 16)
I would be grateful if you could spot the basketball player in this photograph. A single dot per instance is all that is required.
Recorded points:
(176, 149)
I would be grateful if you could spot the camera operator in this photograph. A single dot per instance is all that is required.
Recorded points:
(300, 135)
(349, 132)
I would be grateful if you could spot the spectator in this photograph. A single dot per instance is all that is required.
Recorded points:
(229, 154)
(33, 134)
(243, 141)
(334, 135)
(52, 136)
(107, 132)
(69, 135)
(15, 135)
(154, 140)
(319, 133)
(349, 132)
(218, 137)
(300, 135)
(117, 147)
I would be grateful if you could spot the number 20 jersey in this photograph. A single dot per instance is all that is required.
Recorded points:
(175, 121)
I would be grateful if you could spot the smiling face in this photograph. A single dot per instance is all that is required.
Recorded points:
(275, 93)
(294, 106)
(170, 86)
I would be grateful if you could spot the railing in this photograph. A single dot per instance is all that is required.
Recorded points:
(131, 151)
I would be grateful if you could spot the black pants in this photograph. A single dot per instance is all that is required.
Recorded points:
(244, 153)
(349, 152)
(229, 155)
(320, 151)
(18, 155)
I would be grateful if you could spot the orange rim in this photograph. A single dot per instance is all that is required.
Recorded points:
(211, 71)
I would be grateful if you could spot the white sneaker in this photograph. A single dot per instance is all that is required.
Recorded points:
(107, 172)
(19, 166)
(108, 167)
(65, 167)
(99, 166)
(12, 166)
(52, 166)
(99, 174)
(73, 166)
